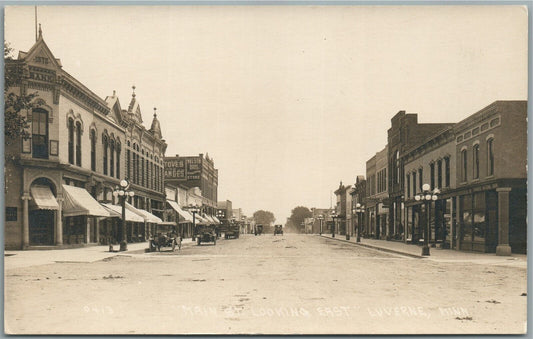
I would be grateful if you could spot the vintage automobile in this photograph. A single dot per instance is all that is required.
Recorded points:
(206, 233)
(165, 235)
(232, 232)
(258, 229)
(278, 229)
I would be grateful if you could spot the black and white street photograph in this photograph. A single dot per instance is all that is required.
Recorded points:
(265, 169)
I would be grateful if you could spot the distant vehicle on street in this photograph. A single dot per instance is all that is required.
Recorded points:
(206, 233)
(165, 235)
(258, 229)
(278, 229)
(232, 232)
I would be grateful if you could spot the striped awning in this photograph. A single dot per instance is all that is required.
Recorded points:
(147, 216)
(184, 214)
(43, 198)
(116, 211)
(79, 202)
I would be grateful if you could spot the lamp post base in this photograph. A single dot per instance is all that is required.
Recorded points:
(347, 237)
(425, 250)
(333, 235)
(123, 245)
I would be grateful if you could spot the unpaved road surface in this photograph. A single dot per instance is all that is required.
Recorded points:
(265, 284)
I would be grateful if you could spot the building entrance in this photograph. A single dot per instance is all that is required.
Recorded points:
(41, 227)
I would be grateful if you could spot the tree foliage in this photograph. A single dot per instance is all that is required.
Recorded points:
(264, 217)
(298, 215)
(15, 124)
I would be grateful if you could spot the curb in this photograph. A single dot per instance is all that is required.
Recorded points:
(383, 249)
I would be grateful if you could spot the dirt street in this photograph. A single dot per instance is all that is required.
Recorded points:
(265, 284)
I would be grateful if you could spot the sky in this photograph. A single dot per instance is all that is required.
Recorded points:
(287, 100)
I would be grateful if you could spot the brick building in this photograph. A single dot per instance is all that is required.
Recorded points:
(74, 159)
(377, 194)
(195, 171)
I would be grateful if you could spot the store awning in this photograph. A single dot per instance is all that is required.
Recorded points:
(210, 218)
(147, 216)
(116, 211)
(43, 198)
(184, 214)
(215, 219)
(79, 202)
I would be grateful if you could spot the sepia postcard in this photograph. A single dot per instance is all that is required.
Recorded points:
(265, 168)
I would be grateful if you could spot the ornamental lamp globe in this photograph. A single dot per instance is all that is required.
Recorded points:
(425, 187)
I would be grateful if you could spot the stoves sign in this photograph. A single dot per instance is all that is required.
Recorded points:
(183, 169)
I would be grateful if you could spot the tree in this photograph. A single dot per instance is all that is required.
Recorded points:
(264, 217)
(15, 124)
(298, 215)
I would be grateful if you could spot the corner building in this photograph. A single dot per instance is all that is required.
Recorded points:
(74, 158)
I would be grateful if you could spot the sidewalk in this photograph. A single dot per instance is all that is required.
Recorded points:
(15, 259)
(436, 254)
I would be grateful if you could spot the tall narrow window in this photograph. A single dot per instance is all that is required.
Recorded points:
(397, 164)
(447, 171)
(152, 180)
(414, 183)
(439, 174)
(475, 153)
(112, 158)
(464, 164)
(408, 185)
(490, 156)
(117, 174)
(142, 170)
(39, 131)
(420, 178)
(128, 163)
(105, 142)
(432, 175)
(93, 150)
(78, 144)
(71, 141)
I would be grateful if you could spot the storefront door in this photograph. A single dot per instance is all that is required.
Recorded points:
(41, 227)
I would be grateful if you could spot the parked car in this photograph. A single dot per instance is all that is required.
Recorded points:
(258, 229)
(278, 229)
(206, 233)
(165, 235)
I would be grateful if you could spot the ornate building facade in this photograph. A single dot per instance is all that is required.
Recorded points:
(74, 158)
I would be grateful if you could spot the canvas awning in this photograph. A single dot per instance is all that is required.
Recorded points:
(184, 214)
(147, 216)
(215, 219)
(43, 198)
(79, 202)
(210, 218)
(116, 211)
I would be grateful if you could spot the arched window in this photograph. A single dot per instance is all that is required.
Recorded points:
(71, 141)
(490, 156)
(105, 143)
(118, 159)
(475, 162)
(93, 150)
(112, 158)
(78, 144)
(439, 173)
(447, 171)
(39, 131)
(134, 155)
(464, 164)
(432, 175)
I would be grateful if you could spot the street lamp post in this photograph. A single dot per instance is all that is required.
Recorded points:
(334, 215)
(427, 196)
(320, 218)
(122, 193)
(194, 208)
(359, 210)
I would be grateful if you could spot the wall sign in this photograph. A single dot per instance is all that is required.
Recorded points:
(54, 147)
